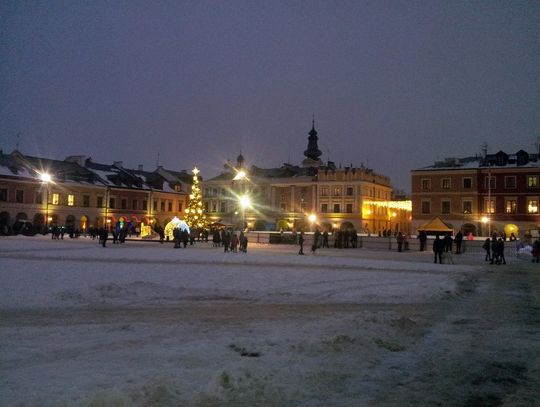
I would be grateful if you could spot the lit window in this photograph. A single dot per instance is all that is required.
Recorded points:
(510, 206)
(71, 200)
(467, 207)
(532, 181)
(489, 205)
(532, 206)
(55, 199)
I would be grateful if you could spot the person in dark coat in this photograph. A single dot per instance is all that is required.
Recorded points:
(494, 249)
(500, 251)
(301, 242)
(422, 236)
(103, 236)
(458, 239)
(487, 247)
(316, 239)
(399, 240)
(438, 249)
(325, 239)
(448, 243)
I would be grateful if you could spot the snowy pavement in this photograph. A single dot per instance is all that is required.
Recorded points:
(143, 324)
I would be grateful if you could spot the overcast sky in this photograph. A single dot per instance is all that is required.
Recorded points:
(393, 85)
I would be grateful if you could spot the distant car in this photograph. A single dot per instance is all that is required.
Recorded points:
(23, 227)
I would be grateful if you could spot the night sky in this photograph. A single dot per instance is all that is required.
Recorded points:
(393, 85)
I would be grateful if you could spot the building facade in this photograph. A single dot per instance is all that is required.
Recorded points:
(80, 194)
(294, 197)
(492, 193)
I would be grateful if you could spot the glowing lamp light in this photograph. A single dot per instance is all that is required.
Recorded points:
(45, 177)
(394, 214)
(485, 219)
(312, 218)
(195, 171)
(368, 212)
(49, 218)
(239, 175)
(108, 221)
(245, 201)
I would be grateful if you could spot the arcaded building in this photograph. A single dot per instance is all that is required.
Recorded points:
(481, 194)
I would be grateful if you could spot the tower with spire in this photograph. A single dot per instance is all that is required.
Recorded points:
(312, 153)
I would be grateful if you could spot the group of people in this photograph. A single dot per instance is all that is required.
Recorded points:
(494, 248)
(230, 241)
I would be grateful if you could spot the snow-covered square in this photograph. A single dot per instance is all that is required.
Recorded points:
(143, 324)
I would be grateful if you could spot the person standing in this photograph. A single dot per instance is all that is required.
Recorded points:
(458, 239)
(325, 239)
(500, 251)
(399, 240)
(316, 238)
(438, 248)
(422, 236)
(301, 242)
(487, 247)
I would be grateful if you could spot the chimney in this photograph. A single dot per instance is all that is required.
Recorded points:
(118, 164)
(140, 167)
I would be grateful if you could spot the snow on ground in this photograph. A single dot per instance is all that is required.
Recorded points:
(143, 324)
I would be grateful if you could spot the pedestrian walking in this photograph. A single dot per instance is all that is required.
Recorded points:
(301, 243)
(487, 247)
(438, 249)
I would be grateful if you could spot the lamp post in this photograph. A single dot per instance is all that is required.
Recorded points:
(245, 202)
(45, 179)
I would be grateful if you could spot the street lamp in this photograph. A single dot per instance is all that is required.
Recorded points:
(45, 179)
(312, 219)
(485, 220)
(245, 202)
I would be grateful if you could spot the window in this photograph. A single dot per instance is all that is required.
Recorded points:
(223, 207)
(303, 206)
(426, 207)
(350, 191)
(283, 206)
(336, 191)
(134, 205)
(510, 182)
(445, 183)
(162, 206)
(489, 205)
(348, 208)
(71, 200)
(3, 194)
(510, 206)
(324, 191)
(39, 197)
(214, 191)
(467, 183)
(99, 202)
(206, 207)
(154, 205)
(467, 207)
(86, 200)
(169, 206)
(180, 206)
(426, 183)
(145, 205)
(55, 199)
(214, 206)
(492, 184)
(123, 203)
(19, 196)
(532, 181)
(178, 188)
(532, 205)
(112, 203)
(337, 208)
(445, 207)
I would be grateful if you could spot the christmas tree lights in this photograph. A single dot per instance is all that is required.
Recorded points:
(195, 215)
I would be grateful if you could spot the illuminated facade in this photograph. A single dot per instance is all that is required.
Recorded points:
(285, 197)
(81, 193)
(492, 193)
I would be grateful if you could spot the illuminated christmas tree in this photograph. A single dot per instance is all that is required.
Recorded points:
(195, 216)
